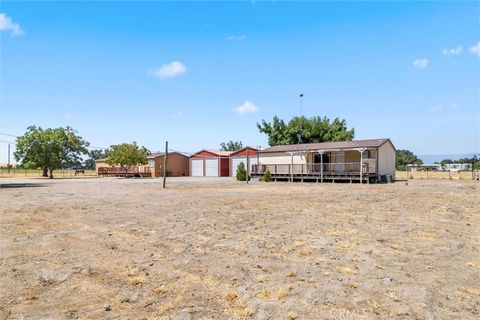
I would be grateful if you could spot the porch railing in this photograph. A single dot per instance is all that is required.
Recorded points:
(120, 170)
(310, 169)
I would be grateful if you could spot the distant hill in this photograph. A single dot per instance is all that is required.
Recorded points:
(431, 158)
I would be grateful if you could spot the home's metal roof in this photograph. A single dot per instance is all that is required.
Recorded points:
(338, 145)
(155, 154)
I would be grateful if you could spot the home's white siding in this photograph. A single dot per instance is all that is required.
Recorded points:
(386, 160)
(282, 158)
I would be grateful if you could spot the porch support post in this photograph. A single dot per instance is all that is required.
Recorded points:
(321, 152)
(291, 167)
(361, 163)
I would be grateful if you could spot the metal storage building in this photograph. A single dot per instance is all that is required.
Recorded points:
(177, 164)
(241, 156)
(210, 163)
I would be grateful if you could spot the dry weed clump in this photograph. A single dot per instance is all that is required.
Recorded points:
(265, 294)
(348, 270)
(31, 296)
(160, 290)
(279, 294)
(468, 293)
(395, 296)
(237, 307)
(134, 278)
(231, 296)
(354, 285)
(305, 253)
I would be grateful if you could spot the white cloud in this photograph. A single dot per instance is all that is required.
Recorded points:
(7, 25)
(178, 114)
(420, 63)
(170, 70)
(439, 108)
(231, 38)
(246, 107)
(452, 51)
(475, 49)
(67, 115)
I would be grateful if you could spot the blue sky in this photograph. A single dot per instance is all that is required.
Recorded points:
(197, 74)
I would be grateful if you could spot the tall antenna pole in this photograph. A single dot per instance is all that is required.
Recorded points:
(301, 103)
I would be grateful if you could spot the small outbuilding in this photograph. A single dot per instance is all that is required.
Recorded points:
(240, 156)
(177, 164)
(210, 163)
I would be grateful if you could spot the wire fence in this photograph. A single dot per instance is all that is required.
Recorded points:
(431, 174)
(15, 172)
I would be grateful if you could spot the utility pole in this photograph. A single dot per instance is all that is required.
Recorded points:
(165, 164)
(248, 166)
(8, 165)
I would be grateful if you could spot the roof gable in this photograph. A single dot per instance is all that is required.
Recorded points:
(354, 144)
(214, 153)
(241, 152)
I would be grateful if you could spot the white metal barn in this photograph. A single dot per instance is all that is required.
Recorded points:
(240, 156)
(210, 163)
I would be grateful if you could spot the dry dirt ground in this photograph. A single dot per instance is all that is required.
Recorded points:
(217, 249)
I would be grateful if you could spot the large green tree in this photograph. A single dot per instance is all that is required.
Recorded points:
(49, 149)
(231, 146)
(93, 155)
(305, 130)
(126, 155)
(405, 157)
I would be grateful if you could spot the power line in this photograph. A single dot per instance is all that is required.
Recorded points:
(9, 142)
(8, 134)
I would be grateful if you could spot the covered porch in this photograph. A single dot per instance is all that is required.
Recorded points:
(352, 165)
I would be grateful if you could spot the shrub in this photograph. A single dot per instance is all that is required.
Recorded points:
(267, 176)
(242, 172)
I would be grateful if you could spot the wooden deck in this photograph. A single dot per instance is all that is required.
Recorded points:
(120, 172)
(328, 172)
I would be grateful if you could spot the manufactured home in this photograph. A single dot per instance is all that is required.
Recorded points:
(247, 155)
(210, 163)
(359, 160)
